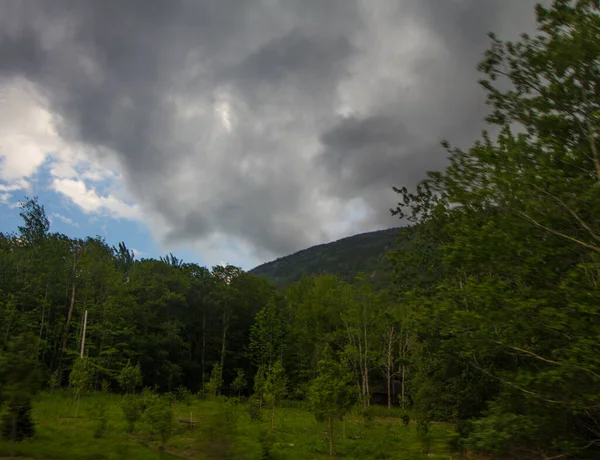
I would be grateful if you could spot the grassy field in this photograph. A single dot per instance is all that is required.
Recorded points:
(223, 430)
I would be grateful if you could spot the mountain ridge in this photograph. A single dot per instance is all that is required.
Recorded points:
(346, 258)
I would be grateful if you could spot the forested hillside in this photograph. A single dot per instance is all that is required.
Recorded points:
(364, 253)
(490, 323)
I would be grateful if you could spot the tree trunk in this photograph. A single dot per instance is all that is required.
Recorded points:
(330, 432)
(273, 417)
(203, 346)
(402, 382)
(389, 388)
(223, 345)
(63, 347)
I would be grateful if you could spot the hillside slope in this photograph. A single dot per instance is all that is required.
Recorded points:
(363, 253)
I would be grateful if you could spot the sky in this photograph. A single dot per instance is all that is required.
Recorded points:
(235, 131)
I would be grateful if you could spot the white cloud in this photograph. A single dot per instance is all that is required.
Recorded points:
(90, 202)
(4, 198)
(65, 219)
(30, 139)
(137, 253)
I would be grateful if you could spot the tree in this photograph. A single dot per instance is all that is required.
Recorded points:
(159, 415)
(275, 388)
(20, 379)
(333, 393)
(213, 386)
(518, 221)
(259, 387)
(130, 377)
(36, 224)
(266, 336)
(239, 383)
(81, 378)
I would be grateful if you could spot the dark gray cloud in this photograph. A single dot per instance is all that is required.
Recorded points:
(261, 121)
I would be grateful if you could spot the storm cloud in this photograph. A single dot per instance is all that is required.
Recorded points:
(263, 124)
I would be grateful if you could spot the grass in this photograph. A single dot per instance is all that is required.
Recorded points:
(222, 430)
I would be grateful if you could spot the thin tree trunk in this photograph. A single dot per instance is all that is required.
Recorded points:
(273, 417)
(330, 431)
(63, 347)
(402, 382)
(203, 346)
(223, 345)
(389, 382)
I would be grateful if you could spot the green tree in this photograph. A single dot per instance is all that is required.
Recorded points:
(239, 383)
(20, 379)
(267, 335)
(332, 394)
(159, 415)
(275, 388)
(507, 332)
(36, 224)
(130, 377)
(81, 378)
(214, 385)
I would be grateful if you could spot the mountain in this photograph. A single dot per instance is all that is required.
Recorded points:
(363, 253)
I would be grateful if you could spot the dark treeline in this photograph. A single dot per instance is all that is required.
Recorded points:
(493, 318)
(175, 319)
(178, 320)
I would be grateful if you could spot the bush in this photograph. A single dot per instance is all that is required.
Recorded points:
(217, 435)
(99, 412)
(17, 423)
(368, 414)
(130, 377)
(405, 418)
(132, 409)
(424, 436)
(159, 415)
(254, 409)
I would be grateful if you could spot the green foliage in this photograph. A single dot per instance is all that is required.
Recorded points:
(213, 386)
(132, 410)
(368, 415)
(333, 393)
(82, 375)
(260, 380)
(159, 415)
(53, 381)
(275, 387)
(405, 418)
(20, 379)
(36, 224)
(16, 422)
(20, 375)
(101, 420)
(239, 383)
(184, 395)
(267, 336)
(130, 377)
(507, 316)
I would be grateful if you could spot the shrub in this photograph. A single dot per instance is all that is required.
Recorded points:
(17, 423)
(130, 377)
(132, 409)
(159, 415)
(99, 412)
(405, 418)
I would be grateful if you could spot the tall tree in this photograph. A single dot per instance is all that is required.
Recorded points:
(332, 393)
(519, 219)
